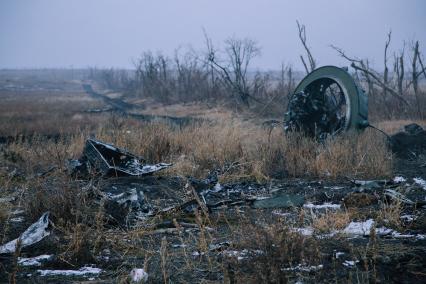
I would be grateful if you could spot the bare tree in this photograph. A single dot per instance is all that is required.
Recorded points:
(375, 77)
(414, 67)
(415, 75)
(191, 78)
(311, 60)
(233, 70)
(154, 76)
(398, 85)
(286, 81)
(399, 71)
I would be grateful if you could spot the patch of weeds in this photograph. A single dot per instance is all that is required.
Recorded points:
(389, 214)
(331, 221)
(274, 252)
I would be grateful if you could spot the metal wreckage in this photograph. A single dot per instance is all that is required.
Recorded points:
(327, 102)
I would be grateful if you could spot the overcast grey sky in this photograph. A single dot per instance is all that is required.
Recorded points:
(104, 33)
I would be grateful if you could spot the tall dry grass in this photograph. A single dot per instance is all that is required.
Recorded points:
(235, 148)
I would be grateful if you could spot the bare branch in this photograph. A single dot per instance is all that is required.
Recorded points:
(302, 37)
(423, 67)
(304, 64)
(380, 82)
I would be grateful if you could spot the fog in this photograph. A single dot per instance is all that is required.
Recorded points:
(106, 33)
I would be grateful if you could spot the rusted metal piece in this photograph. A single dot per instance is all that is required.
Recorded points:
(326, 102)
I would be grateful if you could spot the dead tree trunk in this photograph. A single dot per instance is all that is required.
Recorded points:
(415, 75)
(386, 70)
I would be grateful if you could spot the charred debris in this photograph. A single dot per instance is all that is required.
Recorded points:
(107, 160)
(326, 103)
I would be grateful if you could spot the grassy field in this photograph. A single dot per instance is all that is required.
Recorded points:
(232, 244)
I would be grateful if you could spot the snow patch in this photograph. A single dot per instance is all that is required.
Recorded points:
(303, 268)
(280, 213)
(420, 182)
(359, 228)
(138, 275)
(322, 206)
(308, 231)
(399, 179)
(84, 271)
(34, 261)
(408, 218)
(242, 254)
(363, 229)
(17, 219)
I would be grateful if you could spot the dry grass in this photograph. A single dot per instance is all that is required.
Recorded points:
(4, 213)
(238, 149)
(45, 112)
(364, 155)
(389, 214)
(194, 109)
(274, 249)
(331, 221)
(393, 126)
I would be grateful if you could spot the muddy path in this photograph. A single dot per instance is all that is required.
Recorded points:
(125, 108)
(117, 104)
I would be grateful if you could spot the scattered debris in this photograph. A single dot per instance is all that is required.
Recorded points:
(398, 196)
(242, 254)
(359, 199)
(350, 263)
(370, 184)
(35, 233)
(338, 254)
(7, 199)
(138, 275)
(121, 202)
(409, 143)
(112, 161)
(408, 218)
(420, 182)
(280, 201)
(398, 235)
(34, 261)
